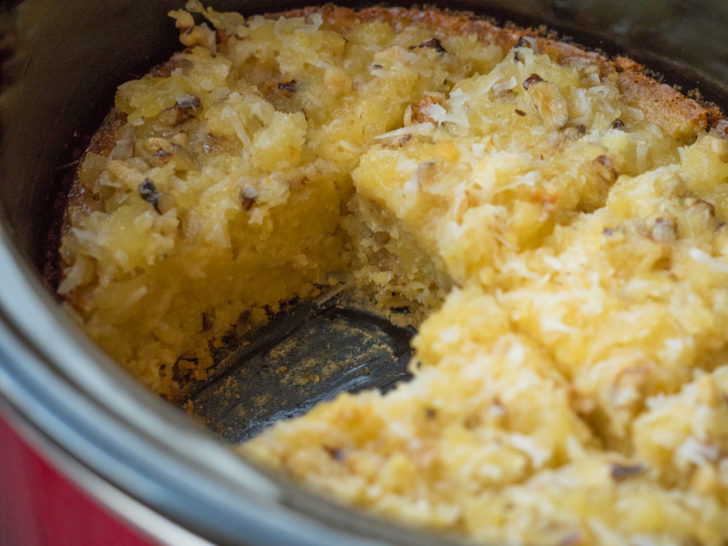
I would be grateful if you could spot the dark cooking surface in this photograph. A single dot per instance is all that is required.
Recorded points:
(307, 353)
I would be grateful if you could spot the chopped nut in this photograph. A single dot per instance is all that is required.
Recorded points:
(527, 41)
(186, 108)
(695, 202)
(605, 168)
(434, 43)
(533, 79)
(421, 112)
(288, 87)
(161, 156)
(222, 35)
(154, 144)
(628, 386)
(248, 196)
(523, 41)
(620, 472)
(163, 151)
(280, 94)
(574, 132)
(335, 453)
(148, 191)
(664, 230)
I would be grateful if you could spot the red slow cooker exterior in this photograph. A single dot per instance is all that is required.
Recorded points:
(41, 507)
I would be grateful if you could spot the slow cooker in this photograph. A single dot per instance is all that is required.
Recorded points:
(88, 456)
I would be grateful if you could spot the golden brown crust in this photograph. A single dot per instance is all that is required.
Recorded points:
(678, 115)
(77, 200)
(80, 200)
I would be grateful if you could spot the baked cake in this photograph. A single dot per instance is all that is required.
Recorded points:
(554, 220)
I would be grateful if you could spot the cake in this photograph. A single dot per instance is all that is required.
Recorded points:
(553, 219)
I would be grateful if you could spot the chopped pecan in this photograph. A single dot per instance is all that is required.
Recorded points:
(248, 196)
(434, 43)
(620, 472)
(288, 87)
(187, 107)
(605, 168)
(629, 386)
(149, 192)
(421, 111)
(533, 79)
(664, 230)
(334, 452)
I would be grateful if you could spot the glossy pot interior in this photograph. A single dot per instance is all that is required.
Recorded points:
(61, 64)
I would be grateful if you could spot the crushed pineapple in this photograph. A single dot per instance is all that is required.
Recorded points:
(560, 230)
